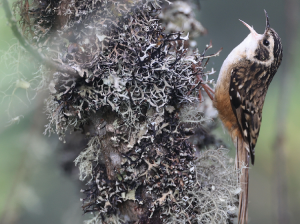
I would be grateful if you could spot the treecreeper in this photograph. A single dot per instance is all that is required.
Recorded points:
(240, 93)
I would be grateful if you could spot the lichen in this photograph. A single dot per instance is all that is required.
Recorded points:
(213, 198)
(135, 99)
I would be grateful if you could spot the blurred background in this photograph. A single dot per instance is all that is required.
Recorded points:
(34, 186)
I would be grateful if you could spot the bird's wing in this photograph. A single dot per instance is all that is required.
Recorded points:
(247, 94)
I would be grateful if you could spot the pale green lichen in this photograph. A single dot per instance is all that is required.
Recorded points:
(87, 157)
(213, 198)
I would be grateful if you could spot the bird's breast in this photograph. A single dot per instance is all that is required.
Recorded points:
(222, 98)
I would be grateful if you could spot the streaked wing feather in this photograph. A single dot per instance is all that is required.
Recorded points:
(247, 93)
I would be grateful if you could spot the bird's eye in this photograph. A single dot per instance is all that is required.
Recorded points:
(266, 42)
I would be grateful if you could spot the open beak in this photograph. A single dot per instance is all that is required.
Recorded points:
(267, 21)
(253, 32)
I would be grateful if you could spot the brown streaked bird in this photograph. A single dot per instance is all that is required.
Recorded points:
(240, 93)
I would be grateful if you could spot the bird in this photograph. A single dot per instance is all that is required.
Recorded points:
(239, 97)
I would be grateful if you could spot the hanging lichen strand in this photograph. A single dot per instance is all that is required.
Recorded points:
(133, 81)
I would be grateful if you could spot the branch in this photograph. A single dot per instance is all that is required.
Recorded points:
(41, 58)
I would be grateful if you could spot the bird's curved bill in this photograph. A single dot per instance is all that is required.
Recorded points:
(267, 20)
(253, 32)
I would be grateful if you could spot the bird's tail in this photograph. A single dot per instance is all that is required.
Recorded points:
(242, 164)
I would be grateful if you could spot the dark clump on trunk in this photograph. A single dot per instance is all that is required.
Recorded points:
(131, 105)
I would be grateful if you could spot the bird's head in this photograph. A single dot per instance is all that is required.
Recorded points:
(263, 48)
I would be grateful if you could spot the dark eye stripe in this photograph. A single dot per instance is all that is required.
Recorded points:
(262, 53)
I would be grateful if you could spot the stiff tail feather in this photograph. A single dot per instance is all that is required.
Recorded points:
(242, 164)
